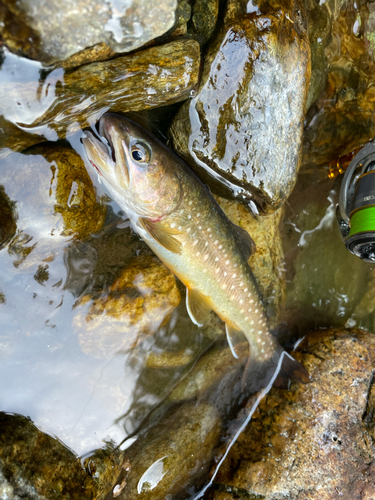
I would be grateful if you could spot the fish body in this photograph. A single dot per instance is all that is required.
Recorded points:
(176, 215)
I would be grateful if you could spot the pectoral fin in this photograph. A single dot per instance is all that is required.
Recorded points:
(198, 306)
(244, 241)
(163, 235)
(231, 332)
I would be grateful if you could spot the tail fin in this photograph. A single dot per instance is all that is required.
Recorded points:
(277, 371)
(291, 369)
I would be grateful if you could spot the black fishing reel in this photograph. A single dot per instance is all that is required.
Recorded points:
(356, 209)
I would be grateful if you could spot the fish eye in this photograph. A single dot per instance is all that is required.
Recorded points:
(140, 153)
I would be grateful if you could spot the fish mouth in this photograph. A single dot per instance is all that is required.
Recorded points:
(108, 151)
(117, 135)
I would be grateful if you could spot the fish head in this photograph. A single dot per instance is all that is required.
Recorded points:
(138, 170)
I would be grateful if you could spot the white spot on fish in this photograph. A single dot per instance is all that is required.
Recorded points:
(198, 214)
(220, 247)
(259, 341)
(189, 216)
(183, 243)
(217, 270)
(232, 287)
(226, 262)
(232, 297)
(251, 301)
(188, 229)
(209, 229)
(245, 290)
(256, 310)
(241, 301)
(216, 259)
(205, 257)
(225, 273)
(179, 228)
(241, 311)
(195, 242)
(223, 286)
(172, 225)
(260, 332)
(241, 284)
(199, 227)
(190, 202)
(247, 317)
(262, 350)
(198, 253)
(216, 242)
(206, 243)
(234, 275)
(235, 265)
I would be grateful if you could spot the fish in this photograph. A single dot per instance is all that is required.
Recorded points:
(179, 219)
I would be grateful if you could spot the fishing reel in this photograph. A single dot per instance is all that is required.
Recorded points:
(356, 209)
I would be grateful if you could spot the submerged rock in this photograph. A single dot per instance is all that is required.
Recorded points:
(8, 224)
(342, 117)
(171, 456)
(316, 440)
(242, 132)
(140, 300)
(58, 30)
(152, 77)
(203, 20)
(54, 200)
(36, 466)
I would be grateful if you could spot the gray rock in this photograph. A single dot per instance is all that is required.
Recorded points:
(242, 132)
(64, 28)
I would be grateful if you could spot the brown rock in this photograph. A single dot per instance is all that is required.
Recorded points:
(342, 118)
(170, 456)
(316, 440)
(152, 77)
(242, 132)
(141, 299)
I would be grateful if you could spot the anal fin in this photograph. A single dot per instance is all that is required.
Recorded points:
(198, 306)
(162, 234)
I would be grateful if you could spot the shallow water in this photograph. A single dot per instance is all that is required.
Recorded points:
(85, 401)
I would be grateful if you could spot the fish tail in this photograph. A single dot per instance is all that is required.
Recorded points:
(277, 370)
(291, 369)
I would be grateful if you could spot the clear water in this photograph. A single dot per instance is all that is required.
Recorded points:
(86, 401)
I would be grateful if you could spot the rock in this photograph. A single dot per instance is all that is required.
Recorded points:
(152, 77)
(204, 18)
(8, 224)
(242, 132)
(167, 359)
(60, 30)
(171, 456)
(139, 301)
(209, 370)
(36, 466)
(268, 259)
(13, 138)
(316, 440)
(54, 200)
(342, 117)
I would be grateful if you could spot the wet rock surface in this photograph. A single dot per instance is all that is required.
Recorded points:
(36, 466)
(170, 456)
(244, 127)
(140, 300)
(316, 440)
(341, 118)
(58, 30)
(54, 200)
(152, 77)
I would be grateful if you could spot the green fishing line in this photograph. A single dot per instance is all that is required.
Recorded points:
(363, 220)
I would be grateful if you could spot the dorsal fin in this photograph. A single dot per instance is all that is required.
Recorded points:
(163, 235)
(198, 306)
(244, 241)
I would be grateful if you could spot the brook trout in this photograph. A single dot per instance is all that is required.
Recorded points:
(176, 215)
